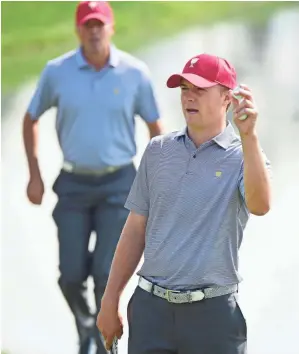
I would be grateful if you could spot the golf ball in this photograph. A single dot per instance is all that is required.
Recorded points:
(239, 98)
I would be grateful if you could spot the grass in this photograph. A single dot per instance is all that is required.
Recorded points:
(34, 32)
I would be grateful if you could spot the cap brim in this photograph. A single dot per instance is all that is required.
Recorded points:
(176, 79)
(93, 16)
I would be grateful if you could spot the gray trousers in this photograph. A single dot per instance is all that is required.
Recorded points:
(211, 326)
(86, 204)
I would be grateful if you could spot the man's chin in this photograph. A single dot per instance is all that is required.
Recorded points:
(192, 118)
(96, 46)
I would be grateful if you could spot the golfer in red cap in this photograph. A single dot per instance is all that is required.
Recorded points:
(97, 90)
(189, 204)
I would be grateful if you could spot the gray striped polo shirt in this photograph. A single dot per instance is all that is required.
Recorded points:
(195, 204)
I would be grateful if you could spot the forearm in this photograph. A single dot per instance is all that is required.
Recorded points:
(30, 138)
(155, 128)
(126, 258)
(256, 176)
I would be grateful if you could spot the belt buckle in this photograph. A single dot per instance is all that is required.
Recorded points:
(110, 169)
(68, 166)
(167, 295)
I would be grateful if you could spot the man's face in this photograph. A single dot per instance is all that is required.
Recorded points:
(203, 107)
(94, 35)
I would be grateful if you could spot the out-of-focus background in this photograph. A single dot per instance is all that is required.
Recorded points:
(261, 40)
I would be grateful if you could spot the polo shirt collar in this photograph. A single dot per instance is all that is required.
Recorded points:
(113, 58)
(224, 139)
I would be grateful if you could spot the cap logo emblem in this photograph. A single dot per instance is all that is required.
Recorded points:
(92, 4)
(193, 61)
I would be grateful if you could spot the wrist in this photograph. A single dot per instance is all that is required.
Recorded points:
(112, 298)
(35, 174)
(34, 169)
(252, 137)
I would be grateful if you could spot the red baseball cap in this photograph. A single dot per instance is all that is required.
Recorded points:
(94, 10)
(205, 71)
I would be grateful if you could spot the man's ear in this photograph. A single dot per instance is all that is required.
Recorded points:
(228, 99)
(112, 29)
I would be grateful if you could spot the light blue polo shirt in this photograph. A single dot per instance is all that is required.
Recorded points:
(96, 110)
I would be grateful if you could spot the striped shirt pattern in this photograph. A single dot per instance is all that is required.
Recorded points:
(195, 204)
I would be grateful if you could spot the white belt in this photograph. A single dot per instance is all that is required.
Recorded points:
(181, 297)
(72, 168)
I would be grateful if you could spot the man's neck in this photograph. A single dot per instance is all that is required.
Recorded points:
(97, 60)
(200, 136)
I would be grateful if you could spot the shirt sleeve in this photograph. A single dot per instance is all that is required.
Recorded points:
(138, 199)
(43, 97)
(147, 106)
(241, 179)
